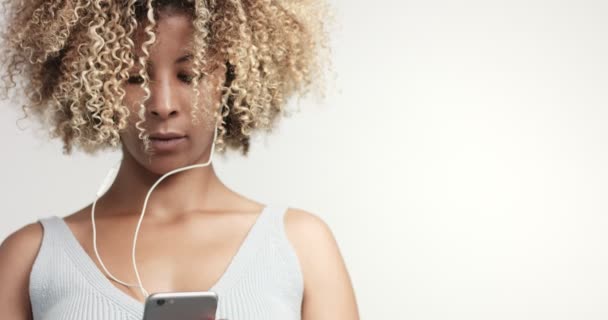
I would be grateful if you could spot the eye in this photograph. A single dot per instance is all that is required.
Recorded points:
(136, 79)
(186, 78)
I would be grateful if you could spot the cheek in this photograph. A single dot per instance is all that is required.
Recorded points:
(205, 98)
(133, 94)
(208, 100)
(210, 94)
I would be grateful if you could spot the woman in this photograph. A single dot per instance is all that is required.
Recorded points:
(167, 82)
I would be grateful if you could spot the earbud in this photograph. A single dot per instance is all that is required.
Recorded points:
(108, 180)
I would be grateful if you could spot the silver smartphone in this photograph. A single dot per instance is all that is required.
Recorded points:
(196, 305)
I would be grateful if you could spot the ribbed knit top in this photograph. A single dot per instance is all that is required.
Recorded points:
(262, 281)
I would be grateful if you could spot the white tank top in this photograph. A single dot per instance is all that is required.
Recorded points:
(263, 280)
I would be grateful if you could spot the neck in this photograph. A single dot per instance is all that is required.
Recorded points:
(176, 195)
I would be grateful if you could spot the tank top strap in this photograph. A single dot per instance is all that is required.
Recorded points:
(52, 234)
(276, 217)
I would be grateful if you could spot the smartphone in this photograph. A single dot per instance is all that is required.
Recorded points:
(195, 305)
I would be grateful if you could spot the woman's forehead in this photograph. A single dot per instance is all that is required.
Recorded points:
(177, 24)
(174, 32)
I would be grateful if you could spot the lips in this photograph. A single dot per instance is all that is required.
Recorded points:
(166, 135)
(167, 141)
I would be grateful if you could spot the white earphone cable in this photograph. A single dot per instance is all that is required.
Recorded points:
(109, 177)
(107, 181)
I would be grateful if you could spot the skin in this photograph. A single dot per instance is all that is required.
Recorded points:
(192, 207)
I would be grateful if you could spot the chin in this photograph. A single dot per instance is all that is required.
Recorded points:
(163, 163)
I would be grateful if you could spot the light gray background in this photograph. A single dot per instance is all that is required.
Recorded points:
(460, 159)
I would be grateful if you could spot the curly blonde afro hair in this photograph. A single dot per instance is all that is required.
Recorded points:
(70, 59)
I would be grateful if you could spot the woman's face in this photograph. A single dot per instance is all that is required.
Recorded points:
(168, 110)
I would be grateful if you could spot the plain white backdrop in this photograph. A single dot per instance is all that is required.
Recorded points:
(460, 158)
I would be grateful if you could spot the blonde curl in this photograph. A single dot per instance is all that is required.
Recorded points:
(70, 59)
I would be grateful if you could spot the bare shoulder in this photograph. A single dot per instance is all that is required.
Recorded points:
(17, 254)
(326, 278)
(21, 245)
(311, 238)
(300, 223)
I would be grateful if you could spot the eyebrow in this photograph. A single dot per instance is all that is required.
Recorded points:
(178, 61)
(183, 58)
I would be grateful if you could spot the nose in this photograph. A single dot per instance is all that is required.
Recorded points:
(162, 105)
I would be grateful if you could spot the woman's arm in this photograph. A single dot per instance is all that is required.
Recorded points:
(328, 291)
(17, 255)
